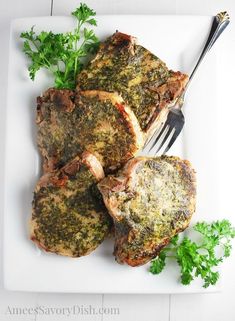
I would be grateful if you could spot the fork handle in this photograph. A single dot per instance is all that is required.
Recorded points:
(220, 22)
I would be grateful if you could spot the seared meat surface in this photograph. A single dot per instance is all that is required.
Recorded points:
(150, 201)
(123, 94)
(143, 80)
(96, 121)
(68, 217)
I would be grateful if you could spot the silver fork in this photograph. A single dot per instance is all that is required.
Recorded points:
(169, 130)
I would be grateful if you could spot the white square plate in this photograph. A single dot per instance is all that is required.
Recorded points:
(177, 40)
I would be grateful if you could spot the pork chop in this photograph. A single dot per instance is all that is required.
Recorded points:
(150, 201)
(141, 78)
(68, 217)
(96, 121)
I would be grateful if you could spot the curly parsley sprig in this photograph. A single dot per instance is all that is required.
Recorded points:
(62, 53)
(198, 259)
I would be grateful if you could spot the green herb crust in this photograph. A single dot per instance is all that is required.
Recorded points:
(96, 121)
(142, 79)
(151, 200)
(68, 218)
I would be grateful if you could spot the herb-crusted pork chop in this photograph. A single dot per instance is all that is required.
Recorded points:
(150, 200)
(143, 80)
(96, 121)
(67, 217)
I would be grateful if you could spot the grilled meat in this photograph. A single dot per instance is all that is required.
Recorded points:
(68, 218)
(96, 121)
(150, 200)
(143, 80)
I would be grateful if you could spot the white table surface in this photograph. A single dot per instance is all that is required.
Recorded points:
(206, 307)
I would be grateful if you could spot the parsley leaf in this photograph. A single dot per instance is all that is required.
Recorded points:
(198, 259)
(63, 53)
(158, 264)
